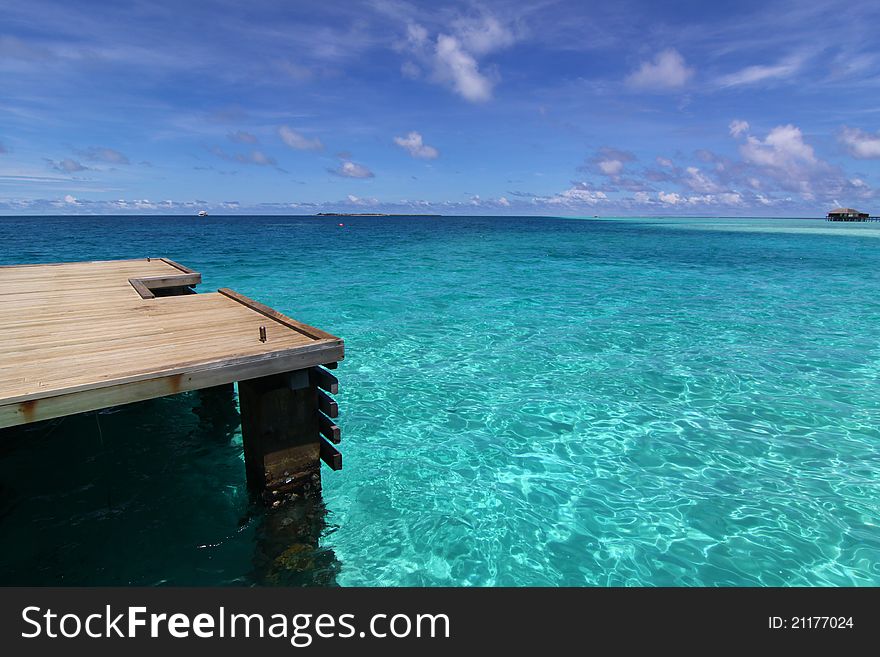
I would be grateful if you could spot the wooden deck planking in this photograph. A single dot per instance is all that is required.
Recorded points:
(70, 330)
(166, 317)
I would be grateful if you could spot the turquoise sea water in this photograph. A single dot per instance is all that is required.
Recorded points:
(525, 401)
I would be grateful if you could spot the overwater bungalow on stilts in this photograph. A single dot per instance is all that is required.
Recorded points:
(849, 214)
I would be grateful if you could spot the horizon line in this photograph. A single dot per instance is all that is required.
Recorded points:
(424, 216)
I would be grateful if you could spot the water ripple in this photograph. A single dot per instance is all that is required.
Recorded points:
(525, 402)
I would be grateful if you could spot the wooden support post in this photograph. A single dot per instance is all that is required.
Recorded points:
(282, 443)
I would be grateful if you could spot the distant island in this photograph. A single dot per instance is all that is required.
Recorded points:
(371, 214)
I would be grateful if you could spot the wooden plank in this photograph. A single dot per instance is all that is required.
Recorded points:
(179, 329)
(305, 329)
(175, 280)
(96, 338)
(330, 455)
(327, 404)
(93, 398)
(145, 284)
(107, 346)
(329, 430)
(177, 265)
(324, 380)
(242, 332)
(141, 289)
(141, 351)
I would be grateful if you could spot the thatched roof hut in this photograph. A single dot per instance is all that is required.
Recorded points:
(846, 214)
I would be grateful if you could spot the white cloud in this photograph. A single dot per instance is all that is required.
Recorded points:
(670, 198)
(784, 161)
(72, 204)
(415, 146)
(298, 141)
(451, 59)
(860, 144)
(579, 194)
(697, 200)
(783, 148)
(738, 127)
(753, 74)
(482, 36)
(698, 181)
(664, 162)
(477, 200)
(349, 169)
(416, 35)
(358, 200)
(730, 198)
(609, 161)
(610, 167)
(461, 70)
(667, 71)
(786, 158)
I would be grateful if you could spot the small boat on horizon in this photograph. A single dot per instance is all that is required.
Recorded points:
(203, 213)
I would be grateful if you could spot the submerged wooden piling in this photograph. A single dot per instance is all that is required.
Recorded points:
(82, 336)
(281, 427)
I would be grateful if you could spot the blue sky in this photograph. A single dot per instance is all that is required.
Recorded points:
(546, 107)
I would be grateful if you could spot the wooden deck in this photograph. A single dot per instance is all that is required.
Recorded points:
(82, 336)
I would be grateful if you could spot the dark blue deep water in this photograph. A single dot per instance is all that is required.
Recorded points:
(525, 401)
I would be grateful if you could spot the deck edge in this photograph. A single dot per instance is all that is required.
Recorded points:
(81, 399)
(271, 313)
(189, 367)
(177, 265)
(76, 262)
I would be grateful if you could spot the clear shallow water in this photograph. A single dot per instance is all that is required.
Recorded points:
(525, 401)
